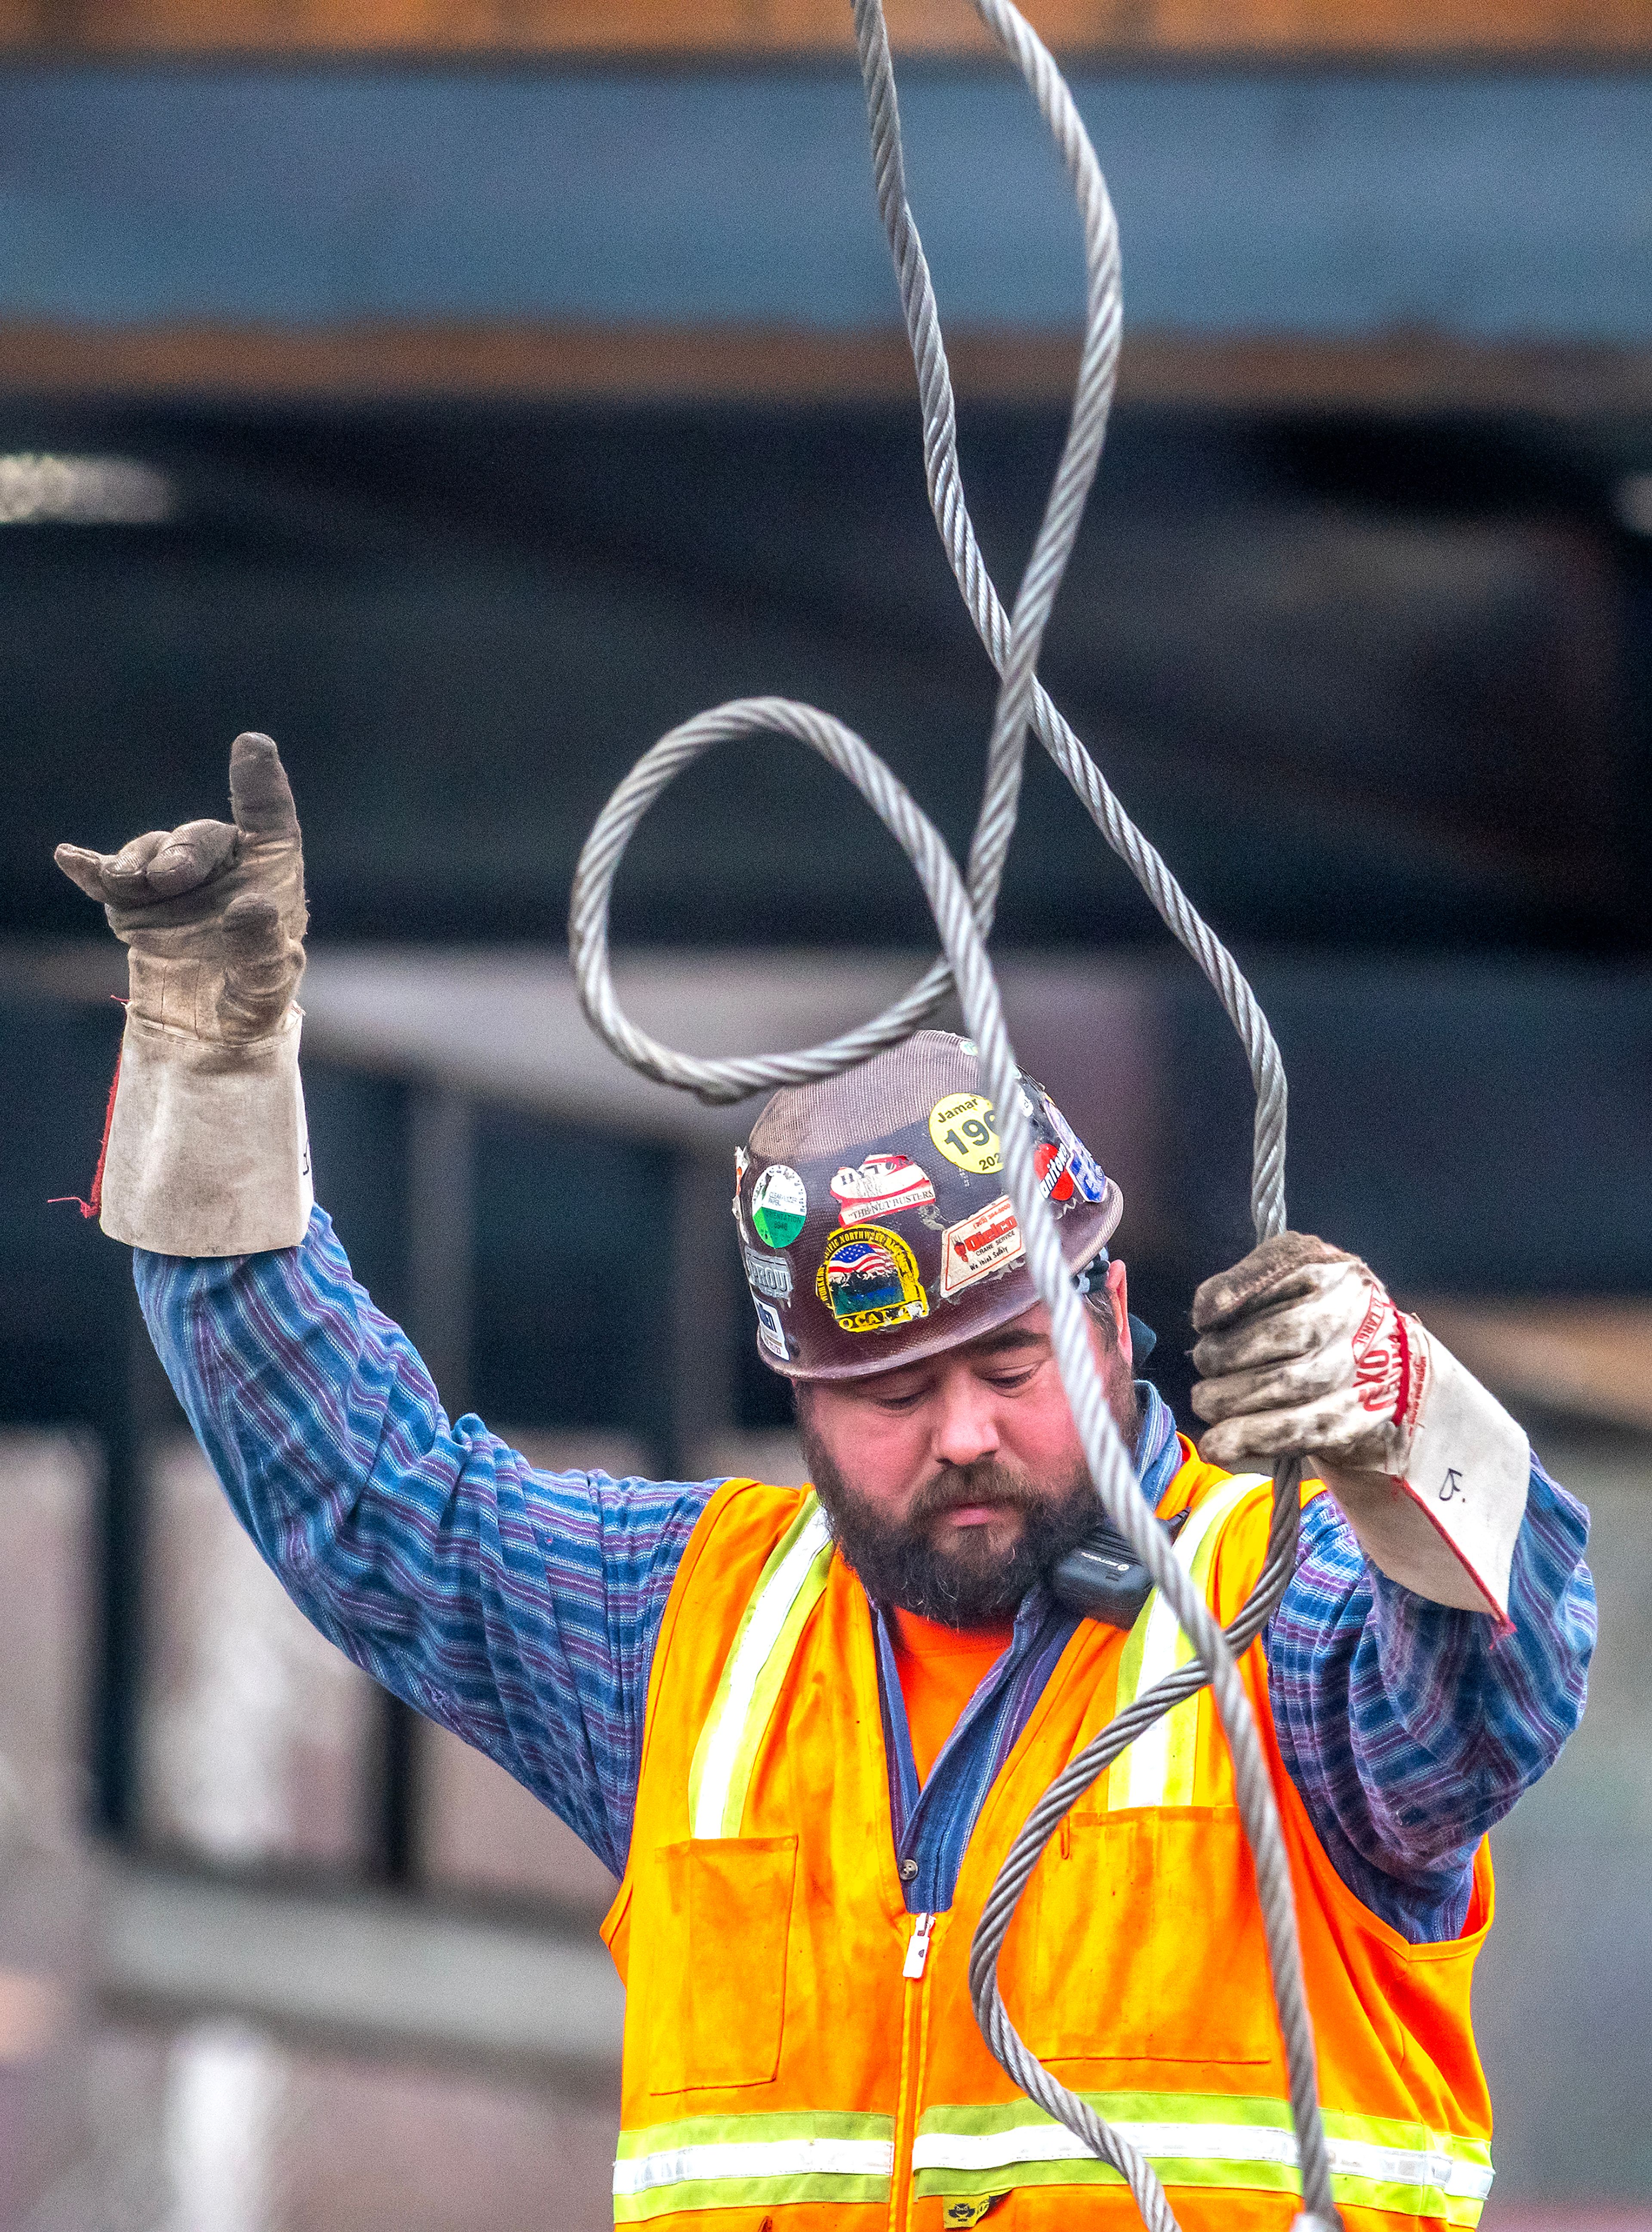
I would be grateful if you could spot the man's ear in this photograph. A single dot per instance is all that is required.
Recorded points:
(1118, 1295)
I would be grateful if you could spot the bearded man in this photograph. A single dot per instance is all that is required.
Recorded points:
(803, 1727)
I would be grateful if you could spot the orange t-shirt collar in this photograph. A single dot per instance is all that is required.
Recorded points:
(941, 1669)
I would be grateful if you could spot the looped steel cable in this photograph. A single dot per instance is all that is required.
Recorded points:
(963, 913)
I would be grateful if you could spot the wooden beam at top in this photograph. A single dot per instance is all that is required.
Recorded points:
(736, 29)
(364, 364)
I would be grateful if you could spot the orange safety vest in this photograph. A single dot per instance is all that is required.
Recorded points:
(801, 2052)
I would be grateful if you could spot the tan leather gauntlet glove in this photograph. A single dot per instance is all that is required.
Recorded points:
(1302, 1349)
(207, 1153)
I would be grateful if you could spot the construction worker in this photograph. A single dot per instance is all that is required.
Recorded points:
(804, 1732)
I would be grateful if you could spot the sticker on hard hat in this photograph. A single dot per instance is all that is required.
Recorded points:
(742, 1164)
(962, 1127)
(1053, 1165)
(868, 1279)
(1087, 1174)
(990, 1241)
(881, 1186)
(771, 1334)
(769, 1274)
(780, 1204)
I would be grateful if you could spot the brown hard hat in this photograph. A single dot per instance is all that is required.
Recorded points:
(874, 1225)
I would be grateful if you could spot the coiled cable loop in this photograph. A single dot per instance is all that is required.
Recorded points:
(963, 912)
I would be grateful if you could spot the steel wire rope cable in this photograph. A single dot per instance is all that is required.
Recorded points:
(942, 473)
(1091, 400)
(964, 918)
(1105, 1453)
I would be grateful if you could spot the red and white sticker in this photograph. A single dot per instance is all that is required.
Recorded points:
(1053, 1163)
(881, 1186)
(990, 1241)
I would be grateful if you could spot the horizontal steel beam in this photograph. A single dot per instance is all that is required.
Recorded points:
(1497, 209)
(1397, 374)
(375, 1973)
(748, 28)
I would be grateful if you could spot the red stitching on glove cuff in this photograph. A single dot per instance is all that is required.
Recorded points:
(91, 1207)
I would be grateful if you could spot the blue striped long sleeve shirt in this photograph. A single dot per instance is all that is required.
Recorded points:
(521, 1609)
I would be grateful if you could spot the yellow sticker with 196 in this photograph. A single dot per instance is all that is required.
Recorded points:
(962, 1129)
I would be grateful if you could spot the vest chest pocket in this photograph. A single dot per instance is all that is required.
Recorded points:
(713, 1934)
(1145, 1943)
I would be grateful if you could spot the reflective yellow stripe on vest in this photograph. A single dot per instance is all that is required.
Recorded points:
(787, 1590)
(752, 2162)
(1207, 2140)
(1157, 1769)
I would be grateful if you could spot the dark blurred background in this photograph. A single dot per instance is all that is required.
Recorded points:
(465, 402)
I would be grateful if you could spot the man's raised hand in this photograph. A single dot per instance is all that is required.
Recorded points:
(212, 912)
(162, 864)
(1301, 1349)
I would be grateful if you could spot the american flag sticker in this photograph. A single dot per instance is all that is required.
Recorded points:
(869, 1280)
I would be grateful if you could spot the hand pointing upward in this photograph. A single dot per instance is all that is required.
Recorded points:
(212, 912)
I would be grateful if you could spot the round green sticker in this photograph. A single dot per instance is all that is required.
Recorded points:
(961, 1127)
(779, 1205)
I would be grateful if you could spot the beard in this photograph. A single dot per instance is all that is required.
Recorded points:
(955, 1575)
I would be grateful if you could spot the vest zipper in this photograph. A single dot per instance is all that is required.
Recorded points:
(917, 1946)
(913, 2054)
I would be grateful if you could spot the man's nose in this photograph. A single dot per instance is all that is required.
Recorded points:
(966, 1424)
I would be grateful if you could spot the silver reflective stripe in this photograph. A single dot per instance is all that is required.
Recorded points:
(1210, 2143)
(1158, 1767)
(1462, 2181)
(762, 2159)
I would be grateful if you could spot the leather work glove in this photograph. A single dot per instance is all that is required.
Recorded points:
(207, 1153)
(1302, 1349)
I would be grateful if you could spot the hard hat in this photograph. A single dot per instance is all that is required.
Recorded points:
(874, 1226)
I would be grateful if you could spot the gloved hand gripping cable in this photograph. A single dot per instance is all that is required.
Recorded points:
(964, 915)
